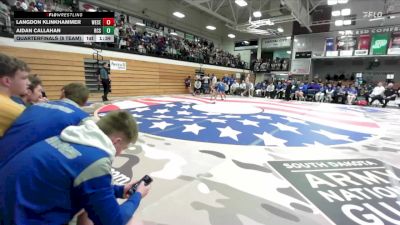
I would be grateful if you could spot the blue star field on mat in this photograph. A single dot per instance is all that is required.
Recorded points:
(181, 121)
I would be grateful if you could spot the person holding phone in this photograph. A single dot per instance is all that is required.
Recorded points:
(56, 178)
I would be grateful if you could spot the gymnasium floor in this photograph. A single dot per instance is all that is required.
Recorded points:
(210, 161)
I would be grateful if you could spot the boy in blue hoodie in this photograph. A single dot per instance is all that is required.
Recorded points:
(49, 182)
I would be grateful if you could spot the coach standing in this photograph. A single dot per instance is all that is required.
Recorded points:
(104, 77)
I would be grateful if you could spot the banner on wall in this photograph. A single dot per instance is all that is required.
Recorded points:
(379, 44)
(363, 45)
(390, 76)
(394, 45)
(359, 78)
(347, 191)
(377, 30)
(330, 44)
(117, 65)
(330, 48)
(276, 43)
(303, 55)
(346, 45)
(363, 42)
(301, 66)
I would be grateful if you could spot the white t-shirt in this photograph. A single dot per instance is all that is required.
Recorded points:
(378, 91)
(270, 88)
(205, 79)
(251, 86)
(197, 84)
(116, 31)
(122, 42)
(214, 80)
(234, 85)
(247, 80)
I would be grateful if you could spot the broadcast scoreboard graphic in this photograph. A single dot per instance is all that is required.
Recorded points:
(64, 26)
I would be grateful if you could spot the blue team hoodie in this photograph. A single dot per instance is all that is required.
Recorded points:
(38, 122)
(52, 180)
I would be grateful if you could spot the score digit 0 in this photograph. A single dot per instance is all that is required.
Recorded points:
(108, 21)
(108, 30)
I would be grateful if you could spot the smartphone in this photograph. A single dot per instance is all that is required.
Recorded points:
(146, 179)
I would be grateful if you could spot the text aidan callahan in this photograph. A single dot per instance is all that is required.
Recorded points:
(38, 30)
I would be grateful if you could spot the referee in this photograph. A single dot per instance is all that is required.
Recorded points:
(104, 77)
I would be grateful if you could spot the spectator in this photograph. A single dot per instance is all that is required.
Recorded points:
(329, 93)
(314, 86)
(76, 176)
(270, 90)
(242, 87)
(213, 83)
(280, 90)
(351, 95)
(299, 94)
(389, 94)
(44, 120)
(13, 81)
(377, 93)
(197, 87)
(367, 91)
(319, 96)
(247, 89)
(251, 89)
(104, 78)
(339, 94)
(234, 87)
(258, 89)
(206, 80)
(34, 93)
(264, 88)
(288, 90)
(305, 88)
(187, 82)
(231, 79)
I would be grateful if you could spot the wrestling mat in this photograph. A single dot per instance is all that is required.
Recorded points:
(260, 161)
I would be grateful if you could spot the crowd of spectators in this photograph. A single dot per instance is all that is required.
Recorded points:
(205, 83)
(342, 92)
(7, 10)
(132, 38)
(136, 39)
(328, 91)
